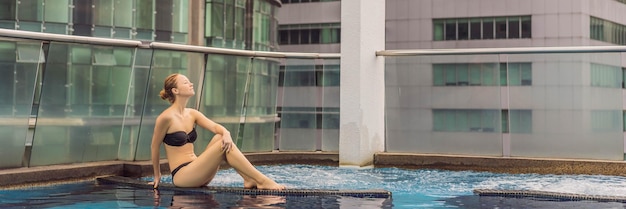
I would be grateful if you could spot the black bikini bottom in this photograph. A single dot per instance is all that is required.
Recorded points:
(178, 168)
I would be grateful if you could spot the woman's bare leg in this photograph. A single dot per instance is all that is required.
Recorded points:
(203, 169)
(239, 162)
(248, 182)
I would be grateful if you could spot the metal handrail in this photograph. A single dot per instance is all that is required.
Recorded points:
(67, 38)
(513, 50)
(158, 45)
(215, 50)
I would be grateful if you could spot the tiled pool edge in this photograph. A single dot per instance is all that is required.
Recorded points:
(39, 174)
(24, 176)
(511, 165)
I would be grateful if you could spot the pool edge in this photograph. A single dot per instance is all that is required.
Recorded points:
(39, 174)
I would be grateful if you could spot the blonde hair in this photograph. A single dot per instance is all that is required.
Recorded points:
(168, 85)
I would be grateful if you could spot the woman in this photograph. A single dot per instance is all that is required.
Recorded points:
(175, 127)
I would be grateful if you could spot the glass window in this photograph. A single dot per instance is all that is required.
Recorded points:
(103, 13)
(180, 18)
(217, 19)
(294, 36)
(7, 10)
(475, 28)
(7, 51)
(144, 14)
(438, 30)
(240, 15)
(605, 76)
(450, 29)
(123, 13)
(30, 10)
(526, 27)
(514, 27)
(315, 36)
(501, 28)
(463, 26)
(503, 74)
(331, 78)
(505, 121)
(474, 120)
(30, 53)
(474, 77)
(461, 120)
(450, 74)
(283, 37)
(514, 73)
(521, 121)
(488, 28)
(304, 36)
(229, 21)
(527, 74)
(56, 11)
(462, 74)
(489, 72)
(438, 75)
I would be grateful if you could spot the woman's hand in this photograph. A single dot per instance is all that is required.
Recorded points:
(156, 181)
(227, 142)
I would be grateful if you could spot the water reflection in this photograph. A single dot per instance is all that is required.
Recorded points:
(202, 200)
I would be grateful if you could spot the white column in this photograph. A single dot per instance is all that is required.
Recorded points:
(362, 125)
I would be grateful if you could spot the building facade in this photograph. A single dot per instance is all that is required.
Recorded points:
(563, 105)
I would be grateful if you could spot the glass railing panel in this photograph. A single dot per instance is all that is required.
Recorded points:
(225, 78)
(83, 98)
(298, 101)
(568, 105)
(165, 63)
(443, 104)
(260, 108)
(20, 74)
(328, 78)
(135, 104)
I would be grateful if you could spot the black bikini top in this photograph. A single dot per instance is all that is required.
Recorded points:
(180, 138)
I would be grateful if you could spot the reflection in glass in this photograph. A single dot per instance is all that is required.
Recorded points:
(18, 88)
(82, 104)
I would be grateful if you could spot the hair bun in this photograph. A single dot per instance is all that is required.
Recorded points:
(163, 94)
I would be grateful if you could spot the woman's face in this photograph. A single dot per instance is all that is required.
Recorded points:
(184, 87)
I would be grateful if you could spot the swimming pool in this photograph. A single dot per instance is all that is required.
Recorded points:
(411, 189)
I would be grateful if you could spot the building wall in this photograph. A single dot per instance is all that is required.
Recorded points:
(566, 112)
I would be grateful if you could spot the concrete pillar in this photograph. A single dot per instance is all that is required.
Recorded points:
(362, 125)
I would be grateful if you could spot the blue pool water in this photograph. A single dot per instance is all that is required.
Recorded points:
(410, 189)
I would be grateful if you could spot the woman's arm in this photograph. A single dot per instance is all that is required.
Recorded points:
(160, 128)
(214, 127)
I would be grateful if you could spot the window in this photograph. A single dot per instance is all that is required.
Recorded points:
(466, 120)
(501, 28)
(482, 120)
(606, 120)
(606, 76)
(517, 121)
(475, 28)
(513, 27)
(7, 10)
(309, 75)
(325, 33)
(308, 117)
(304, 1)
(450, 29)
(607, 31)
(482, 74)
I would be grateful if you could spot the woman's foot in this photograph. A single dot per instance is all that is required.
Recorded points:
(249, 184)
(270, 184)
